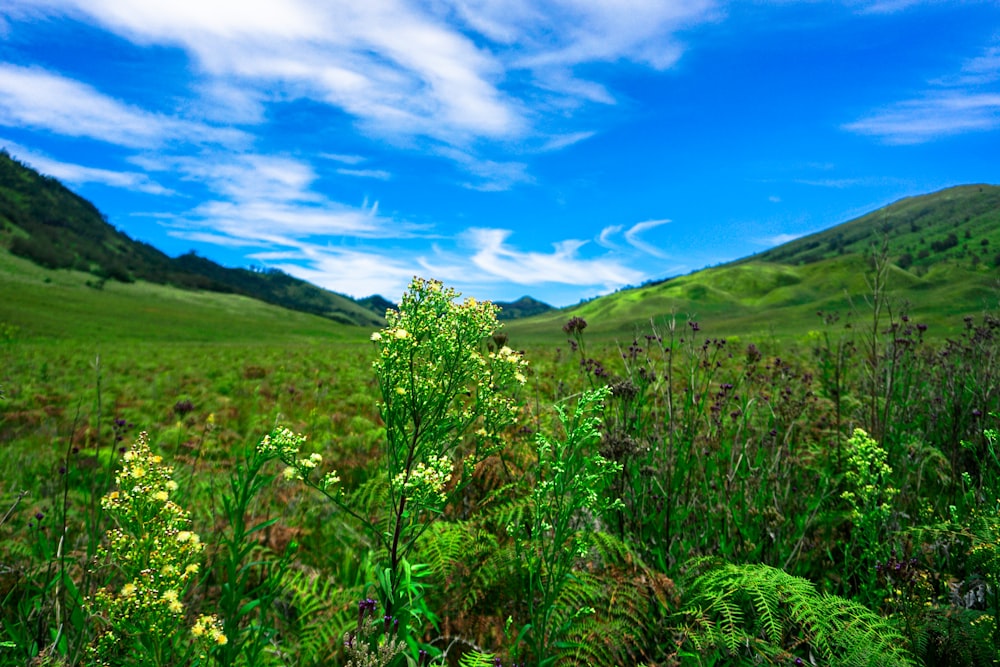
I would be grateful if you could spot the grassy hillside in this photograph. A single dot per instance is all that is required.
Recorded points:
(773, 300)
(43, 221)
(942, 255)
(960, 224)
(39, 304)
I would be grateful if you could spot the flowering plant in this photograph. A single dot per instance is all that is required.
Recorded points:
(446, 401)
(156, 555)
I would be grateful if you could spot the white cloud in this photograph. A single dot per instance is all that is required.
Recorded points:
(604, 239)
(917, 121)
(262, 200)
(562, 141)
(379, 174)
(632, 236)
(78, 174)
(352, 272)
(250, 177)
(393, 65)
(402, 68)
(840, 183)
(345, 159)
(35, 98)
(956, 104)
(493, 176)
(496, 258)
(885, 6)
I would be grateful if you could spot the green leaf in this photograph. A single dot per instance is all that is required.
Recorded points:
(248, 607)
(263, 525)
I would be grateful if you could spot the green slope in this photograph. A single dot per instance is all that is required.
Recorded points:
(45, 222)
(960, 223)
(38, 304)
(943, 258)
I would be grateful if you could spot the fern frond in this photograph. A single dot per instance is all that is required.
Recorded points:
(465, 558)
(761, 610)
(320, 612)
(476, 659)
(629, 602)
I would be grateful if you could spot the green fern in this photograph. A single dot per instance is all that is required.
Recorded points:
(629, 602)
(761, 613)
(320, 611)
(476, 659)
(465, 558)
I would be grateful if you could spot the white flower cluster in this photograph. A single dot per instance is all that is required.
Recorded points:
(509, 356)
(282, 442)
(426, 482)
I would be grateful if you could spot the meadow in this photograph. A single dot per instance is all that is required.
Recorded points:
(268, 490)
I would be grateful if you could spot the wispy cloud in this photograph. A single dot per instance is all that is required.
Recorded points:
(494, 256)
(841, 183)
(604, 238)
(955, 104)
(78, 174)
(632, 236)
(885, 6)
(345, 159)
(562, 141)
(442, 70)
(33, 97)
(917, 121)
(379, 174)
(357, 273)
(269, 201)
(492, 175)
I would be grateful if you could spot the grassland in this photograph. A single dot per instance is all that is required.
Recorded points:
(740, 517)
(43, 304)
(761, 300)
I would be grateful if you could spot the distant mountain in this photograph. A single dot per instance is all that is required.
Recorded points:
(943, 253)
(377, 304)
(45, 222)
(523, 307)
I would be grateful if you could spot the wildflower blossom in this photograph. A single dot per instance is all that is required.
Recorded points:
(153, 548)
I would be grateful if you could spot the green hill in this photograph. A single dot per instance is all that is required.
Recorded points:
(38, 304)
(44, 222)
(523, 307)
(942, 250)
(960, 223)
(87, 279)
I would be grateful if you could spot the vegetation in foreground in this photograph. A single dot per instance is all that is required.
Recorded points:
(686, 499)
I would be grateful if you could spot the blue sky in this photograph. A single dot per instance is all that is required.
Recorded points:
(560, 149)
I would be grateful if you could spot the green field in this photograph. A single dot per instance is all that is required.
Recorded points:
(701, 496)
(724, 502)
(66, 305)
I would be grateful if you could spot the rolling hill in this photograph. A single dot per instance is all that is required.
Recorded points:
(943, 262)
(43, 221)
(60, 259)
